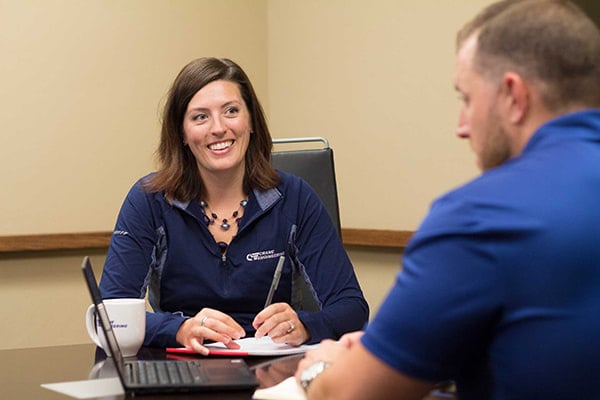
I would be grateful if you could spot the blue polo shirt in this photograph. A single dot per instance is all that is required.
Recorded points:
(500, 287)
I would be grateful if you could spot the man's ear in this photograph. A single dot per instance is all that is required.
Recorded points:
(517, 97)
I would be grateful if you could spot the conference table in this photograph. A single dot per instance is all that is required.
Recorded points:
(23, 371)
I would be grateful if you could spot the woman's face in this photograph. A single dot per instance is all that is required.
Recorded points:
(217, 128)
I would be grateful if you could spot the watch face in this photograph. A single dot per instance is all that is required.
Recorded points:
(312, 372)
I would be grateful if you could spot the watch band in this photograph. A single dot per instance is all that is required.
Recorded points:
(312, 371)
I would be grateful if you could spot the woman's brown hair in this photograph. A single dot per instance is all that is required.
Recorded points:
(177, 174)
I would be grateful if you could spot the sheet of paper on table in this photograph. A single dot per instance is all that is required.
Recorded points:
(249, 347)
(87, 389)
(288, 389)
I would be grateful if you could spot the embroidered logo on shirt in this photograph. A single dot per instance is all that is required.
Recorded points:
(263, 255)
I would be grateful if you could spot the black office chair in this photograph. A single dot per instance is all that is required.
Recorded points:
(316, 167)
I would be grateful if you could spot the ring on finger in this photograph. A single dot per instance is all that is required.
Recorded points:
(203, 321)
(292, 327)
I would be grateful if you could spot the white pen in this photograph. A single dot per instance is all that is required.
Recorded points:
(275, 282)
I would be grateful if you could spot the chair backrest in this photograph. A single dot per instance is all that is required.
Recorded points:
(315, 166)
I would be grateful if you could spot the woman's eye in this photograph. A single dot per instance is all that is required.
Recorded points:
(232, 111)
(199, 117)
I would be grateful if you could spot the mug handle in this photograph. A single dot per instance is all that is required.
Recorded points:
(90, 324)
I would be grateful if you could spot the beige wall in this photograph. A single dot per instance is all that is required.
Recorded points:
(376, 79)
(82, 84)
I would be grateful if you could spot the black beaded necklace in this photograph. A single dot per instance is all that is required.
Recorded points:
(225, 225)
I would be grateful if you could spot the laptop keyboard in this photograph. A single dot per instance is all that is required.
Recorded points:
(165, 372)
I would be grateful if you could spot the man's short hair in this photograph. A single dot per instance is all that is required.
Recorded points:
(552, 43)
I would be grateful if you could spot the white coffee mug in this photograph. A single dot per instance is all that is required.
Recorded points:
(128, 320)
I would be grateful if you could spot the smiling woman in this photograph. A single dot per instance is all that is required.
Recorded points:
(108, 78)
(186, 233)
(217, 131)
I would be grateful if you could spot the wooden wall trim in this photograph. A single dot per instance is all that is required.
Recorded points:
(54, 241)
(375, 237)
(96, 240)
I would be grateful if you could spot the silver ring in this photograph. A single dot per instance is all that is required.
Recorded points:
(203, 321)
(292, 327)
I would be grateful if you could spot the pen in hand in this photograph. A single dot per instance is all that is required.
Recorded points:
(275, 282)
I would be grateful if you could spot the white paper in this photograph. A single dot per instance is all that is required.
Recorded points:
(87, 389)
(260, 347)
(287, 389)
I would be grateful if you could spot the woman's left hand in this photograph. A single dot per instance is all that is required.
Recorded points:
(281, 323)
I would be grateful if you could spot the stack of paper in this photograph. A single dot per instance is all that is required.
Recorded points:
(248, 347)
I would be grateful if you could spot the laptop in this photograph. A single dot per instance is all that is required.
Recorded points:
(168, 376)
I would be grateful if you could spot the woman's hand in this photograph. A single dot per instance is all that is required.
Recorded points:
(281, 323)
(212, 325)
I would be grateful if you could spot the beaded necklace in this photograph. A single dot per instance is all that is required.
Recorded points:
(224, 224)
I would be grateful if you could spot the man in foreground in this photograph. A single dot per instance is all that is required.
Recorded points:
(500, 287)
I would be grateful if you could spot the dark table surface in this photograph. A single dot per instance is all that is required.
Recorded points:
(23, 371)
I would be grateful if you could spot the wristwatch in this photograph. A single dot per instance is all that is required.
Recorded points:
(311, 372)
